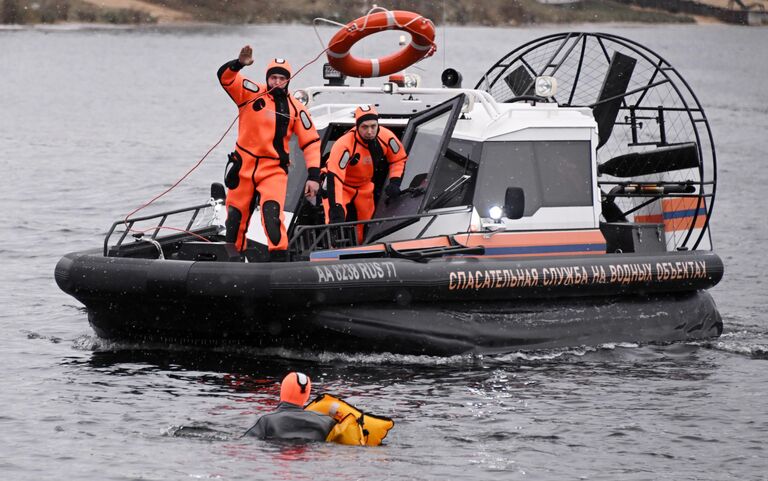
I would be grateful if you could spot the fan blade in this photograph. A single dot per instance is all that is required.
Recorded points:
(615, 84)
(520, 82)
(663, 159)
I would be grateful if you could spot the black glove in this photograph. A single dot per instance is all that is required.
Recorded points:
(336, 214)
(232, 170)
(322, 193)
(393, 188)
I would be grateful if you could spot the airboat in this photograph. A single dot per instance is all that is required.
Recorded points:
(564, 200)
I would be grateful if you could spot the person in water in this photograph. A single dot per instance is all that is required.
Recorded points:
(357, 160)
(290, 421)
(258, 168)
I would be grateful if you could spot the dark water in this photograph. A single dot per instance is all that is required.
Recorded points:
(95, 122)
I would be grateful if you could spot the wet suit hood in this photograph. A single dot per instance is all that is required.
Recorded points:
(279, 66)
(295, 389)
(364, 113)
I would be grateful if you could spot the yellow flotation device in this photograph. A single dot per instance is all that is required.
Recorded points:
(353, 427)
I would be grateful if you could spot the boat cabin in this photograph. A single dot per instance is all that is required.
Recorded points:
(474, 166)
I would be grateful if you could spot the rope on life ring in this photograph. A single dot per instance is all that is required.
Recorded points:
(422, 43)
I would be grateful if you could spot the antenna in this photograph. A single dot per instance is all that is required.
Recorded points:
(444, 41)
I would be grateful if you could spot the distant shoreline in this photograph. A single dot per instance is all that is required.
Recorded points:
(258, 12)
(78, 26)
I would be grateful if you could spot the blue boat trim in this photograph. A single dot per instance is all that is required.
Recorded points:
(684, 213)
(489, 251)
(545, 249)
(336, 253)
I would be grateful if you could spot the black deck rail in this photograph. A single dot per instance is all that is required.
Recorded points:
(310, 238)
(305, 240)
(163, 216)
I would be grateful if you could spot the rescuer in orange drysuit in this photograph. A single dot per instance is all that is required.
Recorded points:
(354, 158)
(258, 168)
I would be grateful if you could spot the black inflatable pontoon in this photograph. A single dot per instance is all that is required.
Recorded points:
(531, 219)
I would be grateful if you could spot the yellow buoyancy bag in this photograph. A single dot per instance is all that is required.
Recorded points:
(353, 426)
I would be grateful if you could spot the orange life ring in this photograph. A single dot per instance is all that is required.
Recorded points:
(422, 43)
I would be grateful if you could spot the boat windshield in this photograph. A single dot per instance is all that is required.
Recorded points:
(453, 182)
(551, 174)
(426, 139)
(426, 142)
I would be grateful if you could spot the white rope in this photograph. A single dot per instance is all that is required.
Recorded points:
(366, 17)
(445, 42)
(319, 19)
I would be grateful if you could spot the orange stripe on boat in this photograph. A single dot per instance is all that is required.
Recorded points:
(518, 239)
(678, 214)
(499, 244)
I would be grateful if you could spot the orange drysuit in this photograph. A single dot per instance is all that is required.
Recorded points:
(258, 168)
(349, 177)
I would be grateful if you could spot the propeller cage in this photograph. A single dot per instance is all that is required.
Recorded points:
(652, 130)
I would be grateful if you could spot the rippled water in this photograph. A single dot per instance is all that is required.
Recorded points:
(95, 122)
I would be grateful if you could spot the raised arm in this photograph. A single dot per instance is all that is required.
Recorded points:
(229, 74)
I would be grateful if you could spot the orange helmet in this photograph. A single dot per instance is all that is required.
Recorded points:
(295, 388)
(279, 66)
(365, 112)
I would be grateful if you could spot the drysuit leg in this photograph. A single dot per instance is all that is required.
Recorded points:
(335, 209)
(241, 202)
(272, 183)
(364, 206)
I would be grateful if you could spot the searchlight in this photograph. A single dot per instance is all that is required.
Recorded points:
(545, 86)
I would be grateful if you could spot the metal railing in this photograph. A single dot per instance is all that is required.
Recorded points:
(310, 238)
(163, 216)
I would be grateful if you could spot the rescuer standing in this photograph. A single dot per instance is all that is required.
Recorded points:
(257, 170)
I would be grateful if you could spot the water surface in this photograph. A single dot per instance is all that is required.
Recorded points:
(94, 122)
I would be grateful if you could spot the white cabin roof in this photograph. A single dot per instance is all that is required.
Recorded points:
(483, 119)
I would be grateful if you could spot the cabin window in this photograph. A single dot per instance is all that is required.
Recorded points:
(453, 182)
(552, 174)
